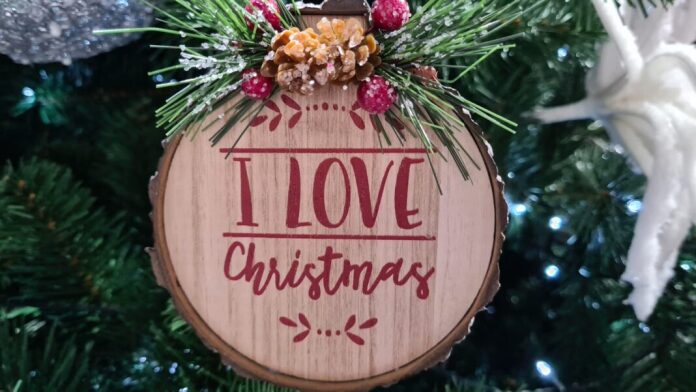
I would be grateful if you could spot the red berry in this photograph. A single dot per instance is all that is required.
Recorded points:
(376, 95)
(256, 86)
(269, 9)
(390, 15)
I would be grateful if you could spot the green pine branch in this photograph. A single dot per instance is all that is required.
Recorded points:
(36, 358)
(583, 308)
(64, 255)
(659, 355)
(218, 46)
(173, 357)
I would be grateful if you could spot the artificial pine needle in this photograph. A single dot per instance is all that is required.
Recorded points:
(219, 45)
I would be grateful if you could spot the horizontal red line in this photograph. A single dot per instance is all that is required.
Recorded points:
(324, 150)
(332, 236)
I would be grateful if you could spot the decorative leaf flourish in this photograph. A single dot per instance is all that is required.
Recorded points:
(292, 324)
(364, 325)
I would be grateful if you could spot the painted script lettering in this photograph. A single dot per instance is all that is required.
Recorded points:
(369, 201)
(332, 272)
(325, 274)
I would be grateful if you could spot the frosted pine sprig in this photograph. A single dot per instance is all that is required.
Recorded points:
(448, 29)
(221, 39)
(456, 34)
(218, 44)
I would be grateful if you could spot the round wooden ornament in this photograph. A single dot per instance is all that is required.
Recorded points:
(311, 256)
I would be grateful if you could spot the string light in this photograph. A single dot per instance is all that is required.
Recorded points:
(518, 209)
(555, 223)
(562, 53)
(544, 369)
(552, 271)
(27, 92)
(634, 206)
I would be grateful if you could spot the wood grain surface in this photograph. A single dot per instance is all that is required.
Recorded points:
(311, 257)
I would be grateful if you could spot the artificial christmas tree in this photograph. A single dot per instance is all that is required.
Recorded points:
(559, 320)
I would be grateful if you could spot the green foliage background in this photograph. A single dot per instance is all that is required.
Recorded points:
(80, 309)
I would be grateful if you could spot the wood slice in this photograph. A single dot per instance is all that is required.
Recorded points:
(284, 258)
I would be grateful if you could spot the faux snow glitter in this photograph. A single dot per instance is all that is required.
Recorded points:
(375, 95)
(390, 15)
(44, 31)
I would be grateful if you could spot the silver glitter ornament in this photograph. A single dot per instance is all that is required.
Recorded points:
(44, 31)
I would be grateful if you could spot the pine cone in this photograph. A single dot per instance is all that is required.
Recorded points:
(339, 53)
